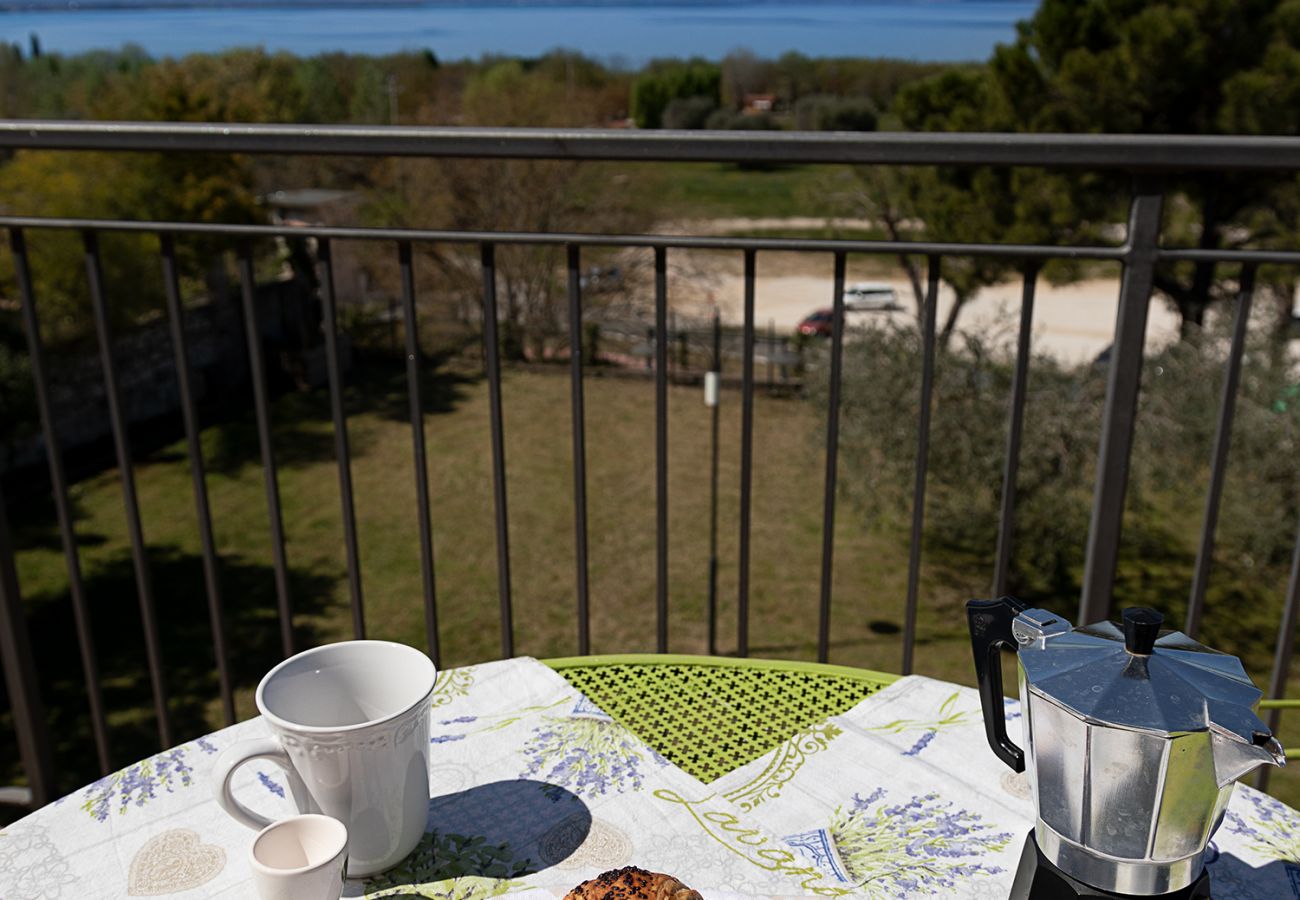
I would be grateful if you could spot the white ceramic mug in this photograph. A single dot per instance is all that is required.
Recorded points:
(300, 858)
(350, 726)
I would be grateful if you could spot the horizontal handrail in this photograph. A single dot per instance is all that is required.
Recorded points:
(1118, 253)
(1124, 152)
(582, 239)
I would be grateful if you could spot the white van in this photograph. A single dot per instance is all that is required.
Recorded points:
(870, 295)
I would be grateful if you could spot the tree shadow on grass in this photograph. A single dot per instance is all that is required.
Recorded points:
(378, 384)
(302, 425)
(297, 439)
(36, 526)
(185, 638)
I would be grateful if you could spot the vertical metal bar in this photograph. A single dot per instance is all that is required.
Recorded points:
(17, 663)
(325, 270)
(261, 408)
(121, 445)
(211, 579)
(421, 459)
(492, 352)
(1015, 426)
(715, 366)
(746, 454)
(579, 421)
(62, 508)
(1219, 461)
(1282, 653)
(922, 464)
(832, 460)
(1120, 413)
(661, 449)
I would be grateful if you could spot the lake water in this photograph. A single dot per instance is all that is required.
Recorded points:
(629, 32)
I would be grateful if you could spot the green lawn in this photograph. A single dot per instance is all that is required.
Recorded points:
(870, 564)
(712, 190)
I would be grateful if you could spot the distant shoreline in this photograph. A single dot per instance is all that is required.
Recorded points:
(76, 6)
(623, 32)
(80, 6)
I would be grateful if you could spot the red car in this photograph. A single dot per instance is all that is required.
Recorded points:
(820, 323)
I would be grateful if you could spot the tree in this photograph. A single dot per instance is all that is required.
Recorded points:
(743, 73)
(689, 112)
(1179, 397)
(967, 443)
(215, 188)
(515, 195)
(964, 205)
(726, 120)
(943, 205)
(1172, 67)
(11, 72)
(823, 112)
(97, 185)
(664, 82)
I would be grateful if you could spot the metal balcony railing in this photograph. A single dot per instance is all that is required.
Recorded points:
(1146, 159)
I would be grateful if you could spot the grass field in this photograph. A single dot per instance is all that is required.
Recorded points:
(709, 190)
(870, 563)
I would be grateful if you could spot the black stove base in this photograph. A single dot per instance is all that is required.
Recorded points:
(1038, 879)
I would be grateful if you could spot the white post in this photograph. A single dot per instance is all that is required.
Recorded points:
(710, 389)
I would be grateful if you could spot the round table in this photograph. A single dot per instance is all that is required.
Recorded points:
(747, 778)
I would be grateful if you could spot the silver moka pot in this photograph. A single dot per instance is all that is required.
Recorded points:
(1133, 740)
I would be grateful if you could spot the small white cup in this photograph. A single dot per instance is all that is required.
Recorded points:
(300, 858)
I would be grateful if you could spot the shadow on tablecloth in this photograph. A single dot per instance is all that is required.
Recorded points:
(501, 830)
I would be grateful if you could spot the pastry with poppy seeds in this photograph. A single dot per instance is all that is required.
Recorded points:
(631, 883)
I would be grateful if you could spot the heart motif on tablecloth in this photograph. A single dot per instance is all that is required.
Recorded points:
(173, 861)
(578, 843)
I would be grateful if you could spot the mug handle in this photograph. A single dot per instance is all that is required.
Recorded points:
(230, 760)
(990, 631)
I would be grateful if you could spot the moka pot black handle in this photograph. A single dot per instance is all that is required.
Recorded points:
(990, 630)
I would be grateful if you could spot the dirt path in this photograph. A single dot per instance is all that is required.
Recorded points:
(730, 226)
(1072, 323)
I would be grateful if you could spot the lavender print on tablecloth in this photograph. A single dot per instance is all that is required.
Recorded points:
(137, 784)
(1270, 828)
(588, 755)
(922, 742)
(270, 784)
(924, 844)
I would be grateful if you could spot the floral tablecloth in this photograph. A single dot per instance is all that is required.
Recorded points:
(537, 789)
